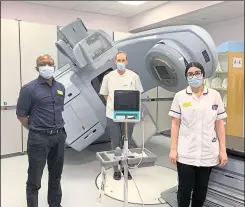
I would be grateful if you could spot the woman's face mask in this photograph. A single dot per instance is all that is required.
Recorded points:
(46, 72)
(195, 79)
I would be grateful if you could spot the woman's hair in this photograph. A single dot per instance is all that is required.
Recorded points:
(196, 65)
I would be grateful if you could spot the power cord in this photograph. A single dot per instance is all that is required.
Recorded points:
(138, 192)
(143, 149)
(143, 145)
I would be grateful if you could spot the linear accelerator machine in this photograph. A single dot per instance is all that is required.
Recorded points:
(159, 57)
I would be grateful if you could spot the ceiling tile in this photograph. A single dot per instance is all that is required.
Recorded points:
(204, 16)
(109, 11)
(129, 13)
(212, 14)
(103, 7)
(114, 5)
(151, 4)
(232, 3)
(59, 4)
(87, 6)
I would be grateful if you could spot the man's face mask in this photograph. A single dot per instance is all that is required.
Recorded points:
(121, 62)
(195, 79)
(47, 71)
(121, 66)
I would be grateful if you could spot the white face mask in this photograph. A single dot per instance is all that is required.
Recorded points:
(46, 72)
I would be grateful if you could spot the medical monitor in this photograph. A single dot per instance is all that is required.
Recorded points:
(127, 106)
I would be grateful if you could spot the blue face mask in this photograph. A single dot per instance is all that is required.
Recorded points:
(195, 81)
(121, 66)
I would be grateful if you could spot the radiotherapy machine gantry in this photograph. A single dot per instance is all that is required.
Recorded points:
(159, 57)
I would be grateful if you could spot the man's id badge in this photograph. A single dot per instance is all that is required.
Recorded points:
(215, 107)
(60, 92)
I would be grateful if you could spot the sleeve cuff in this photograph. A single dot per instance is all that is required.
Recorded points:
(21, 113)
(222, 115)
(174, 114)
(103, 94)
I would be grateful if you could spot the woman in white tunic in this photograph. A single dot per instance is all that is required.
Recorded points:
(197, 136)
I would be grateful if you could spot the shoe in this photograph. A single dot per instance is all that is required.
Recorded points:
(117, 176)
(129, 175)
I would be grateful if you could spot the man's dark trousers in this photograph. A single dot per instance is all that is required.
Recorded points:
(42, 147)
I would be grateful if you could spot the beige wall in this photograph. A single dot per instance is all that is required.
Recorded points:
(35, 39)
(11, 141)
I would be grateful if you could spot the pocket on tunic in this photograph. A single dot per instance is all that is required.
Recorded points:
(183, 145)
(215, 145)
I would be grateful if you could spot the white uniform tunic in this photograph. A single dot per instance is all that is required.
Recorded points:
(198, 144)
(114, 81)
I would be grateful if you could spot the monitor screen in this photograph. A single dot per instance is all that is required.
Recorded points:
(126, 100)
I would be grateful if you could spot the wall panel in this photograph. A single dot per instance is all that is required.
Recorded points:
(36, 39)
(10, 62)
(120, 35)
(10, 133)
(10, 86)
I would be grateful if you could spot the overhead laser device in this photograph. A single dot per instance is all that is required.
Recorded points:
(127, 106)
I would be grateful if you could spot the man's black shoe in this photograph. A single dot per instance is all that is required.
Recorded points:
(117, 176)
(129, 175)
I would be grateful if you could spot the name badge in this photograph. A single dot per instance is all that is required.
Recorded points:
(60, 92)
(187, 104)
(215, 107)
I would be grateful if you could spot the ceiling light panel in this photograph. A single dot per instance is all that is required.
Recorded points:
(135, 3)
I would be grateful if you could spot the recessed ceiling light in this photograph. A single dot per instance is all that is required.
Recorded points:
(132, 2)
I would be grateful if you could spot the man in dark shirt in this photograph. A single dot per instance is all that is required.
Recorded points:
(39, 109)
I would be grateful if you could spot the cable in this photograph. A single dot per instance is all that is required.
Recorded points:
(136, 166)
(143, 146)
(138, 192)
